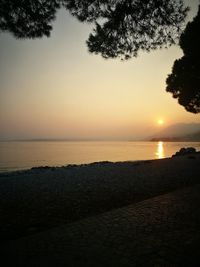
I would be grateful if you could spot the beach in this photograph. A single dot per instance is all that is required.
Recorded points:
(37, 204)
(100, 133)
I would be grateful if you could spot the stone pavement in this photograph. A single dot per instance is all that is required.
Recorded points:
(161, 231)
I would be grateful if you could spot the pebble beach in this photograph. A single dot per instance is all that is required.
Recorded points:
(36, 201)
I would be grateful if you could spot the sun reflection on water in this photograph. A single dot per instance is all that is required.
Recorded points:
(160, 150)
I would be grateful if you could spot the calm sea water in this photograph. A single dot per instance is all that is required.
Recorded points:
(24, 155)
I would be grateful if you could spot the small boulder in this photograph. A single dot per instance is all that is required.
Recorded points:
(185, 151)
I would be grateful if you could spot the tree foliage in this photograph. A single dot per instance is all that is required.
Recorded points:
(184, 81)
(28, 18)
(121, 27)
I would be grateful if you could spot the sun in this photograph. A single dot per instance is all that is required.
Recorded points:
(160, 122)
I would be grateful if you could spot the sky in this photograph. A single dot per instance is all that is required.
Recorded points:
(54, 88)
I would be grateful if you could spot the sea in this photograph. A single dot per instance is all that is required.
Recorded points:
(27, 154)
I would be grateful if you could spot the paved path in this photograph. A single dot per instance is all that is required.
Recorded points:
(161, 231)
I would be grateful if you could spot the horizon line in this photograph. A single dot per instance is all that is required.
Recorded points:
(66, 139)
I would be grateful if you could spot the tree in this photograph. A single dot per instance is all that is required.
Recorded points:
(28, 18)
(121, 29)
(184, 82)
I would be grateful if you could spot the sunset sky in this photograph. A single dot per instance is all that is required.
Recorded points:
(53, 88)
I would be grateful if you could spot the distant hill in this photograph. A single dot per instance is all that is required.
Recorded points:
(193, 137)
(178, 132)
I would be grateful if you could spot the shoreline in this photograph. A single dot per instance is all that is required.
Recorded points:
(24, 157)
(42, 198)
(72, 165)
